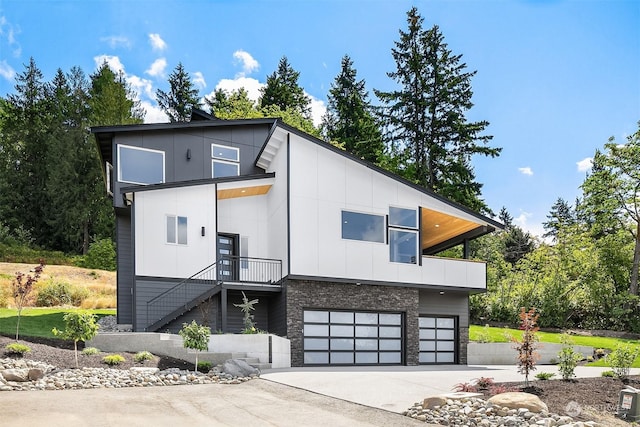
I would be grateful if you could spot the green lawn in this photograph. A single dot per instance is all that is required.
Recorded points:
(500, 335)
(38, 322)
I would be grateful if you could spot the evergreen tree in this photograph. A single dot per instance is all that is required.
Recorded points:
(112, 100)
(25, 145)
(560, 217)
(283, 91)
(233, 105)
(181, 98)
(425, 117)
(349, 118)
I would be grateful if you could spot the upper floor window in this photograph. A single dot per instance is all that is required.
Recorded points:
(403, 235)
(140, 165)
(177, 229)
(225, 161)
(360, 226)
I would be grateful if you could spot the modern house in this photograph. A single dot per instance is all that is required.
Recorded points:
(338, 252)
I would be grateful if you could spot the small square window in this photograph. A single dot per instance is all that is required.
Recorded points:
(177, 229)
(401, 217)
(220, 169)
(225, 153)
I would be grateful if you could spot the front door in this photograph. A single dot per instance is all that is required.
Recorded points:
(227, 257)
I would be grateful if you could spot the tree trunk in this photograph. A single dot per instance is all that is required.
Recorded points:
(633, 286)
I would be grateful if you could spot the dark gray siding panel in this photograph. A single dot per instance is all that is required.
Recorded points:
(206, 314)
(278, 314)
(125, 269)
(449, 304)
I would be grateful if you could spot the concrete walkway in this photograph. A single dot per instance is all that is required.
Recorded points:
(396, 388)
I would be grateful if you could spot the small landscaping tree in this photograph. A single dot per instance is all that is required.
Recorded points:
(567, 358)
(526, 348)
(621, 360)
(247, 307)
(195, 337)
(79, 326)
(21, 287)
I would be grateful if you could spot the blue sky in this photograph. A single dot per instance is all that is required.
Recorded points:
(555, 79)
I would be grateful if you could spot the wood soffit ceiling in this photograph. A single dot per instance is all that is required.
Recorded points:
(438, 227)
(233, 193)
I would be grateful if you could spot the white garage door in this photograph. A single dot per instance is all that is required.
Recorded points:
(437, 339)
(334, 337)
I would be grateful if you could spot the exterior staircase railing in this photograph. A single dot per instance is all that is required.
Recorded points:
(194, 290)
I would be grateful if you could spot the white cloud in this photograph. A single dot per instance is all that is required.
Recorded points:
(525, 171)
(318, 109)
(141, 86)
(115, 41)
(585, 164)
(198, 80)
(156, 42)
(248, 63)
(157, 68)
(252, 86)
(112, 61)
(154, 114)
(8, 31)
(6, 71)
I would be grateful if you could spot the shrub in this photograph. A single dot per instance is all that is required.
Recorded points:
(247, 307)
(55, 293)
(599, 353)
(465, 387)
(204, 366)
(608, 374)
(195, 337)
(90, 351)
(621, 359)
(545, 375)
(17, 349)
(484, 383)
(567, 358)
(141, 356)
(101, 255)
(499, 389)
(113, 359)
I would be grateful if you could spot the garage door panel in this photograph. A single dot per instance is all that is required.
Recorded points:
(336, 337)
(437, 339)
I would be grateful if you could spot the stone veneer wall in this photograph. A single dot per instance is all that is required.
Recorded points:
(463, 340)
(305, 294)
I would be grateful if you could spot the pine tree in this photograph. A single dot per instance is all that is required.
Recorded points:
(112, 100)
(283, 91)
(425, 117)
(560, 217)
(181, 98)
(349, 118)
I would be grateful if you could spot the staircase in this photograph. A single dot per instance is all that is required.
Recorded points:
(182, 298)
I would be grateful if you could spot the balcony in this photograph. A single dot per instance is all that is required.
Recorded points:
(460, 273)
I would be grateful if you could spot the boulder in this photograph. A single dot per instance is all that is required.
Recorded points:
(239, 368)
(35, 374)
(432, 402)
(517, 400)
(17, 375)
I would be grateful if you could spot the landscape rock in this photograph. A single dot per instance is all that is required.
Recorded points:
(17, 375)
(434, 401)
(517, 400)
(35, 374)
(238, 368)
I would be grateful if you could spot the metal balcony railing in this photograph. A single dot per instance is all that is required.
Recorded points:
(249, 270)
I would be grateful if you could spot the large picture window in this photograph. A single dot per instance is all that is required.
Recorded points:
(177, 229)
(225, 161)
(140, 165)
(360, 226)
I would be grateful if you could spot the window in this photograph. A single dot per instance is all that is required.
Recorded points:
(109, 169)
(177, 229)
(359, 226)
(225, 161)
(140, 165)
(403, 235)
(400, 217)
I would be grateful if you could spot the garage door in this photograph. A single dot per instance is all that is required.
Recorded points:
(437, 339)
(334, 337)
